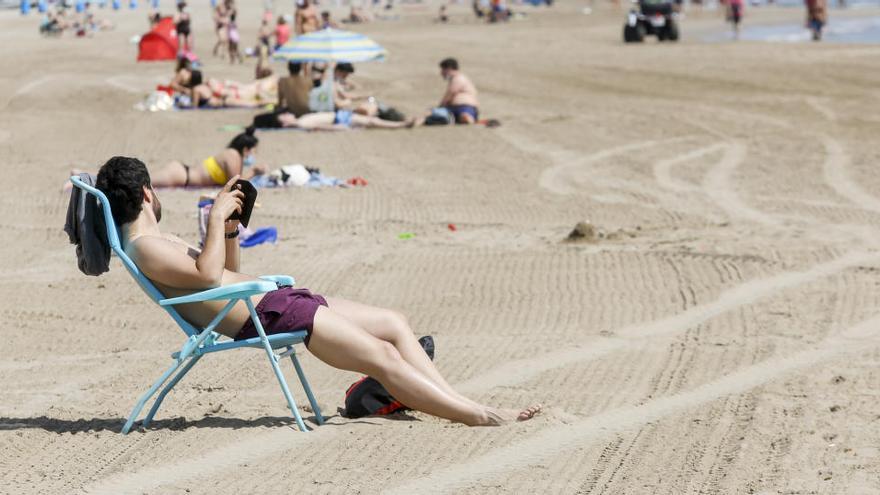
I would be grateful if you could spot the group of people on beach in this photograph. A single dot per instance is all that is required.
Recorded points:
(348, 108)
(82, 22)
(355, 110)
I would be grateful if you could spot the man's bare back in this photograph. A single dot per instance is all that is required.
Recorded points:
(461, 91)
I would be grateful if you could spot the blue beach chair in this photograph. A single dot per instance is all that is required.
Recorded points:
(201, 341)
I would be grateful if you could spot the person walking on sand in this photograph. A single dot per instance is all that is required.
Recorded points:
(817, 16)
(221, 21)
(344, 334)
(233, 37)
(182, 24)
(734, 15)
(282, 32)
(460, 97)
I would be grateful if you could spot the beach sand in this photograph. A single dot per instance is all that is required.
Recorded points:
(719, 335)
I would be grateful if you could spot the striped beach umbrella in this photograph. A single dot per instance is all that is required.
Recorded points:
(331, 45)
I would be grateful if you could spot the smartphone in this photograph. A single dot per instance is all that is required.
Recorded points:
(247, 204)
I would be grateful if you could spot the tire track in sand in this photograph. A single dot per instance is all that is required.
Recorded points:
(836, 165)
(562, 177)
(717, 185)
(662, 169)
(835, 172)
(555, 440)
(519, 371)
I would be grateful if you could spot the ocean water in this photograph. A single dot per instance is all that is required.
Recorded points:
(838, 30)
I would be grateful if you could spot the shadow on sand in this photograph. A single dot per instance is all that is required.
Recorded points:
(83, 425)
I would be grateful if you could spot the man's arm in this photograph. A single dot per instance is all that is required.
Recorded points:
(340, 97)
(162, 262)
(451, 89)
(233, 251)
(282, 101)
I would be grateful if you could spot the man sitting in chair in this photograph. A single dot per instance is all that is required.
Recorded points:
(344, 334)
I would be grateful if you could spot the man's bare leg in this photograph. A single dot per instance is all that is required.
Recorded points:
(342, 344)
(377, 123)
(393, 327)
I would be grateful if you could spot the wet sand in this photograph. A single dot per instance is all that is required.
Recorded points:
(720, 336)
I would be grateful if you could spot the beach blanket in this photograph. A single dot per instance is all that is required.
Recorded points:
(297, 175)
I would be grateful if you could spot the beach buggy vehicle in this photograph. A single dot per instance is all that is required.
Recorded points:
(652, 17)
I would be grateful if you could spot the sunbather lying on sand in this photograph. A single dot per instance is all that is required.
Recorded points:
(236, 160)
(338, 121)
(344, 334)
(215, 93)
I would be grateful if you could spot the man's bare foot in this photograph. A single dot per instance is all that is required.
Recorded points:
(498, 417)
(529, 412)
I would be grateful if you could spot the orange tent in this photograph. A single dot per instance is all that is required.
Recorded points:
(160, 43)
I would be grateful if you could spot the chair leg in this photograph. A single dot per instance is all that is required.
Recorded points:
(273, 360)
(158, 402)
(305, 384)
(144, 398)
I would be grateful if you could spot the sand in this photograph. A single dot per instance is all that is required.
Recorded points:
(717, 333)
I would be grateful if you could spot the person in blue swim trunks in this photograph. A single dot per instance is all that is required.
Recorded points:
(339, 120)
(461, 94)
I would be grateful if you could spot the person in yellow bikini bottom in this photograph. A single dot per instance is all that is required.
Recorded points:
(213, 168)
(215, 171)
(243, 144)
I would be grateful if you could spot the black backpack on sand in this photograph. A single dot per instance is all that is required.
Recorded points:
(367, 397)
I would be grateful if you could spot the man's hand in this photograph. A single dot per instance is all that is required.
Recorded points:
(228, 201)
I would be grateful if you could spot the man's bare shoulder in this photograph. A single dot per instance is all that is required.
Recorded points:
(154, 247)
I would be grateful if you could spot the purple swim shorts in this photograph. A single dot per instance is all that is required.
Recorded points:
(285, 310)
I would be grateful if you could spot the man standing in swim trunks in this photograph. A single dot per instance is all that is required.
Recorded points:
(461, 94)
(343, 334)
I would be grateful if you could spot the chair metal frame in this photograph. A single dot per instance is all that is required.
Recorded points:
(202, 341)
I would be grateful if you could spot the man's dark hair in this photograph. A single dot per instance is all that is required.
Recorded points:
(244, 140)
(122, 180)
(345, 67)
(449, 63)
(294, 67)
